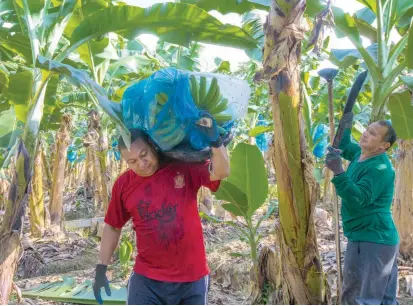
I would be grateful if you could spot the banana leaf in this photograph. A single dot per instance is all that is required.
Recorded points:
(173, 22)
(246, 188)
(401, 110)
(7, 120)
(226, 7)
(96, 93)
(68, 291)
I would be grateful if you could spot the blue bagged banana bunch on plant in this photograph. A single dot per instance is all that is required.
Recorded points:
(168, 104)
(71, 154)
(321, 141)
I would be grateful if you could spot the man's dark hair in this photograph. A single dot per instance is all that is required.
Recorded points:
(136, 134)
(390, 136)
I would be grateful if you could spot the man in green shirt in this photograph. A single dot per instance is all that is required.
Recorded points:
(366, 189)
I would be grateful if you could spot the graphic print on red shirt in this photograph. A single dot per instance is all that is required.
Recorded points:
(165, 217)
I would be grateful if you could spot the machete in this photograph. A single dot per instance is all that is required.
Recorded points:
(348, 108)
(351, 100)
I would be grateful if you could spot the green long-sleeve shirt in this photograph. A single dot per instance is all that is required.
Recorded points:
(366, 190)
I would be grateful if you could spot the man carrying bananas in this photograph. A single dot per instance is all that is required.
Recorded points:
(160, 196)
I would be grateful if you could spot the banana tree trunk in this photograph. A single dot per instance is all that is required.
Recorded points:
(298, 192)
(93, 165)
(67, 175)
(104, 168)
(9, 257)
(52, 158)
(37, 222)
(48, 186)
(97, 175)
(4, 187)
(47, 170)
(112, 168)
(80, 175)
(13, 222)
(89, 161)
(403, 198)
(101, 170)
(18, 197)
(56, 198)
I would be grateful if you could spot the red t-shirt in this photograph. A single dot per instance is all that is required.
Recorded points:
(165, 217)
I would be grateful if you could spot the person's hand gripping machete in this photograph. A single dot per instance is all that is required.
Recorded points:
(334, 162)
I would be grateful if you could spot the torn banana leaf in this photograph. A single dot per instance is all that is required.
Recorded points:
(67, 291)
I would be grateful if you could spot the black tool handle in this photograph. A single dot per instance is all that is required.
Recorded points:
(351, 100)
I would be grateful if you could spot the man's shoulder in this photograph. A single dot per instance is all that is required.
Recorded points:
(384, 164)
(123, 178)
(380, 168)
(179, 166)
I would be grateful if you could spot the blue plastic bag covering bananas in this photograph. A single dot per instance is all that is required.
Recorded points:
(168, 104)
(71, 154)
(320, 139)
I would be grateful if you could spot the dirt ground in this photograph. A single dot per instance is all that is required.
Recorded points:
(75, 254)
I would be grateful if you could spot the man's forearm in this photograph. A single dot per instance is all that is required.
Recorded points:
(359, 195)
(110, 239)
(220, 162)
(347, 190)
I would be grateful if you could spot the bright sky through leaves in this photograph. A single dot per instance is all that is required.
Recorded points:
(236, 56)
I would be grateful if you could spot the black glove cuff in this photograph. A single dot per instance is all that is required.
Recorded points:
(101, 270)
(217, 143)
(340, 173)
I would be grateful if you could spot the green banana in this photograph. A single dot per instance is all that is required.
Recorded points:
(202, 89)
(211, 93)
(166, 130)
(162, 98)
(223, 105)
(158, 109)
(194, 90)
(210, 100)
(152, 114)
(215, 99)
(221, 118)
(174, 138)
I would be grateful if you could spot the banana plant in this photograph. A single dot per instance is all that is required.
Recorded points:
(244, 192)
(125, 253)
(387, 60)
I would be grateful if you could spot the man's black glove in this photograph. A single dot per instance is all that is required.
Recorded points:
(101, 281)
(208, 127)
(333, 161)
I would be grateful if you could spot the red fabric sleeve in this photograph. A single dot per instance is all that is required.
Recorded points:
(117, 215)
(200, 176)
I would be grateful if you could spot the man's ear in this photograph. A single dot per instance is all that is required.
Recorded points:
(386, 146)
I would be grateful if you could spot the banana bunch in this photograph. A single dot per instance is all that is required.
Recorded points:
(211, 100)
(167, 131)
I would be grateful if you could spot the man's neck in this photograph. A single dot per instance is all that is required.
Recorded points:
(365, 154)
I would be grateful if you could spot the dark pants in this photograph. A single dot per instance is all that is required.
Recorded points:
(146, 291)
(370, 274)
